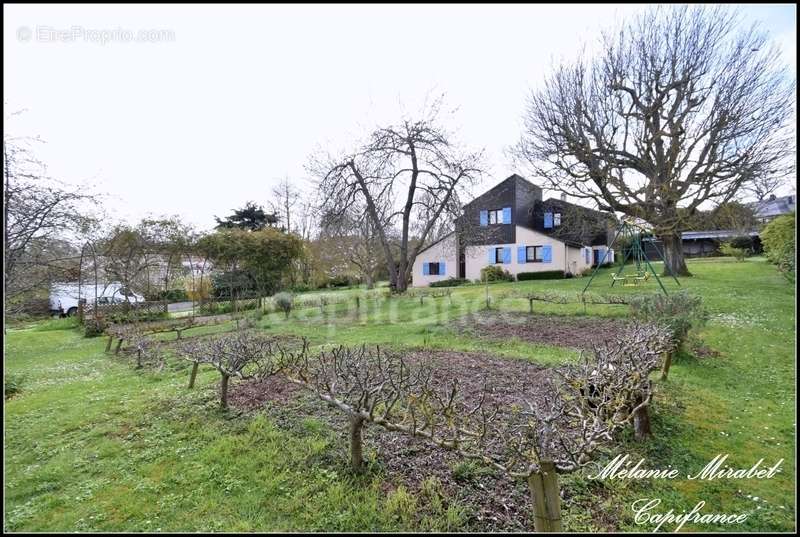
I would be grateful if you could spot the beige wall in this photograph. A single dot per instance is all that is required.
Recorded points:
(445, 250)
(476, 255)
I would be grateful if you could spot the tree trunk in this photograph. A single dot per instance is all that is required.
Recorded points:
(641, 424)
(369, 281)
(223, 385)
(193, 375)
(673, 255)
(356, 450)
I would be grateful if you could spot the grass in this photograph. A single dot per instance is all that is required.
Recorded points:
(92, 444)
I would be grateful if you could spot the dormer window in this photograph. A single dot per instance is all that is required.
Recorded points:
(496, 216)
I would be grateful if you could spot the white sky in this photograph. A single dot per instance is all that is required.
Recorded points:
(197, 125)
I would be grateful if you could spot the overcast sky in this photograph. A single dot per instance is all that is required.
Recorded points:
(214, 104)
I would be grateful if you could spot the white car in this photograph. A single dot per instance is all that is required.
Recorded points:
(64, 296)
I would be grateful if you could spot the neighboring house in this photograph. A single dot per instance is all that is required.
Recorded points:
(773, 207)
(700, 243)
(512, 227)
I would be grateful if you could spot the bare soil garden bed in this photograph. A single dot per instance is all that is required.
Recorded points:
(496, 502)
(562, 331)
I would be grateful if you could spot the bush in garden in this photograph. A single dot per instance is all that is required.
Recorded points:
(450, 282)
(678, 312)
(543, 275)
(728, 249)
(778, 241)
(12, 385)
(493, 273)
(284, 302)
(197, 289)
(94, 326)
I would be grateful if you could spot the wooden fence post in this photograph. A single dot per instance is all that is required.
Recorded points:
(545, 498)
(666, 365)
(193, 375)
(110, 341)
(552, 496)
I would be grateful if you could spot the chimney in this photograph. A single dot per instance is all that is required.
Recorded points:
(563, 197)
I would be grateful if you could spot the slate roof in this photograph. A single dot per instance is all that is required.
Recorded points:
(775, 206)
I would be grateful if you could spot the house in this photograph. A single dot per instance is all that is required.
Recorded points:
(773, 207)
(511, 226)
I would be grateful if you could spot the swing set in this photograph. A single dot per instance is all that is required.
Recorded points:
(631, 235)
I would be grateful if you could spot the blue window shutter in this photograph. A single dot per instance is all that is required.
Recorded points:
(490, 256)
(442, 272)
(521, 257)
(548, 220)
(484, 218)
(506, 215)
(507, 255)
(547, 254)
(425, 269)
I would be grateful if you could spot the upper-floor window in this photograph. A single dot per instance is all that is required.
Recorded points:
(496, 216)
(556, 219)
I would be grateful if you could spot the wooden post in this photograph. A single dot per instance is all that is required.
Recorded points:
(358, 303)
(552, 496)
(540, 522)
(193, 375)
(421, 296)
(530, 304)
(666, 365)
(546, 499)
(356, 449)
(223, 400)
(138, 358)
(119, 344)
(110, 341)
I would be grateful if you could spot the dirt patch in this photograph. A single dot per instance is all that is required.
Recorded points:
(252, 395)
(562, 331)
(494, 501)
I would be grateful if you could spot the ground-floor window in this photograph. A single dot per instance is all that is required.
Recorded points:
(433, 269)
(498, 255)
(533, 254)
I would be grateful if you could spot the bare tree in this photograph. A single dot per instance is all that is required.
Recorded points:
(413, 168)
(355, 237)
(286, 197)
(679, 109)
(42, 218)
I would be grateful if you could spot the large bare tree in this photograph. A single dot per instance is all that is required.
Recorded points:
(42, 218)
(416, 170)
(681, 107)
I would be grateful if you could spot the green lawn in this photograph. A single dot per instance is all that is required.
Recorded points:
(92, 444)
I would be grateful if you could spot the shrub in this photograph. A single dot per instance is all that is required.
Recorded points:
(543, 275)
(728, 249)
(12, 385)
(284, 302)
(450, 282)
(173, 295)
(678, 312)
(301, 288)
(493, 273)
(339, 281)
(197, 289)
(778, 241)
(94, 326)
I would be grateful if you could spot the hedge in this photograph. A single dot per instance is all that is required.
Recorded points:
(450, 282)
(543, 275)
